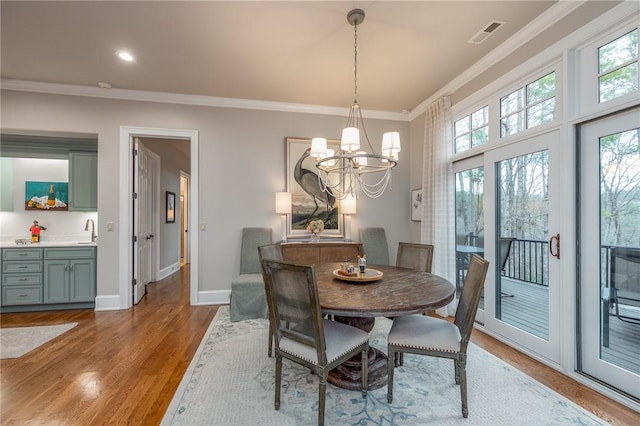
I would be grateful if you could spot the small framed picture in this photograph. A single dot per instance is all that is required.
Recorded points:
(171, 207)
(416, 205)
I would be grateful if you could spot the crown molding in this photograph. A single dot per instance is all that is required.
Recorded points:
(550, 16)
(198, 100)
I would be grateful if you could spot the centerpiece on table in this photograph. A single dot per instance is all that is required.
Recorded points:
(315, 227)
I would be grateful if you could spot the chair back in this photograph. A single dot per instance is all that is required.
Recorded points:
(625, 274)
(470, 297)
(294, 306)
(374, 245)
(418, 257)
(505, 244)
(270, 252)
(252, 238)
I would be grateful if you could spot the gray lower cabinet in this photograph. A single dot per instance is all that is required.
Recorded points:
(21, 276)
(69, 275)
(49, 276)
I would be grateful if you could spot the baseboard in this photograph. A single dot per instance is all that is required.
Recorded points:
(165, 272)
(108, 303)
(216, 297)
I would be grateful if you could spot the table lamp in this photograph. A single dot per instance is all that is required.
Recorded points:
(283, 208)
(348, 206)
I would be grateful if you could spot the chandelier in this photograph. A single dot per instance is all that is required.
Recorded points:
(352, 171)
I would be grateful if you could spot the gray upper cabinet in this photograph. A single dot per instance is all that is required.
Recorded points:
(83, 181)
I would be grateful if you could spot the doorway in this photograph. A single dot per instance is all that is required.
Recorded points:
(126, 215)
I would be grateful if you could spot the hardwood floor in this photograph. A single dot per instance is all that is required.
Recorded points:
(123, 367)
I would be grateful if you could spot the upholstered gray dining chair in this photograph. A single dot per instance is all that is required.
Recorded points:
(374, 245)
(248, 300)
(301, 334)
(425, 335)
(418, 257)
(270, 252)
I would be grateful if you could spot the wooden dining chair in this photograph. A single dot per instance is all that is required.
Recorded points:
(270, 252)
(418, 257)
(425, 335)
(301, 334)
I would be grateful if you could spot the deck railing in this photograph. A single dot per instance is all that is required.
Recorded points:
(528, 261)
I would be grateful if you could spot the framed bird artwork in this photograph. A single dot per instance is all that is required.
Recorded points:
(309, 201)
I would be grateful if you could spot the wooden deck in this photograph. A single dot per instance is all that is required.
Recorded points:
(528, 309)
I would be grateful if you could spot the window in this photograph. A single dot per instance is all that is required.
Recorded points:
(529, 106)
(472, 130)
(618, 67)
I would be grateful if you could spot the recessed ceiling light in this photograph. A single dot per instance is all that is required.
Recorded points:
(126, 56)
(104, 85)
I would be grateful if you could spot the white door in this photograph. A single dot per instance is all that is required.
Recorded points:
(609, 236)
(521, 300)
(142, 220)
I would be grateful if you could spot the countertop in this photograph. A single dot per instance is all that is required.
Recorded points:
(41, 244)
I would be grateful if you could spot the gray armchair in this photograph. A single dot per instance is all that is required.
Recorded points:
(248, 300)
(374, 245)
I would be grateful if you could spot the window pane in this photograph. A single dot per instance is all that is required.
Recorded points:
(619, 82)
(541, 113)
(480, 118)
(469, 219)
(462, 143)
(511, 125)
(480, 136)
(462, 126)
(541, 89)
(511, 103)
(618, 52)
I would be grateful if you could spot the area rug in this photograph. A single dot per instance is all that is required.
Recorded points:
(231, 382)
(15, 342)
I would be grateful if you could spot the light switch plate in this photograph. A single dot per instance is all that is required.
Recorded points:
(110, 226)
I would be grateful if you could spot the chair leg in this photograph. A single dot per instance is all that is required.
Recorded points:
(462, 362)
(365, 372)
(322, 392)
(456, 371)
(278, 381)
(391, 362)
(270, 350)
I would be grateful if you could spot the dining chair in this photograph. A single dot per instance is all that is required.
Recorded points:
(425, 335)
(270, 252)
(374, 245)
(248, 300)
(301, 334)
(415, 256)
(418, 257)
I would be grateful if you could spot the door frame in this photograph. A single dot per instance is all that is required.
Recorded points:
(187, 225)
(127, 133)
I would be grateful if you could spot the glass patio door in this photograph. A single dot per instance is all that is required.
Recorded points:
(522, 298)
(609, 236)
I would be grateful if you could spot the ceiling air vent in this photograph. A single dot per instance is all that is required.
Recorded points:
(484, 33)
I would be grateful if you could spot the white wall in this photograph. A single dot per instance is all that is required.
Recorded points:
(61, 225)
(241, 166)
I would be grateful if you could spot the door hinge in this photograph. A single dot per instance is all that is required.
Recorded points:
(135, 152)
(134, 282)
(135, 195)
(135, 239)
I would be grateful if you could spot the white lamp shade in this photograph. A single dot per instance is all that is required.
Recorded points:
(318, 147)
(330, 153)
(350, 139)
(348, 204)
(283, 202)
(391, 140)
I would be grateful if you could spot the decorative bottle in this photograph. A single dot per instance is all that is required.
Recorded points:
(51, 201)
(362, 263)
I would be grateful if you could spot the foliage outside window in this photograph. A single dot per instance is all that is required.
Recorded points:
(618, 67)
(529, 106)
(472, 130)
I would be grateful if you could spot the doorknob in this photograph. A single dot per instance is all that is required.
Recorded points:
(555, 238)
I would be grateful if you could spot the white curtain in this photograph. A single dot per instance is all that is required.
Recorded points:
(438, 216)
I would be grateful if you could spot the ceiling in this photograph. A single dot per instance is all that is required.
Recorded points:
(281, 51)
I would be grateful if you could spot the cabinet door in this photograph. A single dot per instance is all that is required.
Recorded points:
(83, 181)
(82, 280)
(56, 281)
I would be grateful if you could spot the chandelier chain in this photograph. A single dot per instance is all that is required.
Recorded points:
(355, 63)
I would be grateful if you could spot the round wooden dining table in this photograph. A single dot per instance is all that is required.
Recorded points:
(399, 292)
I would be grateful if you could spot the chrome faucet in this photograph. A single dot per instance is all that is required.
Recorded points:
(93, 229)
